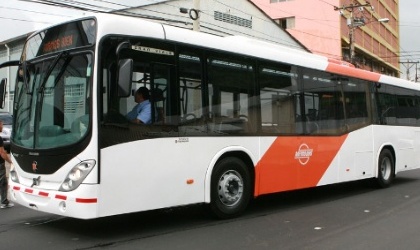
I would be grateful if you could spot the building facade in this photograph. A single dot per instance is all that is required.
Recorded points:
(221, 18)
(325, 28)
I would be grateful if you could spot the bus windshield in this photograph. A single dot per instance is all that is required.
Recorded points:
(52, 93)
(51, 105)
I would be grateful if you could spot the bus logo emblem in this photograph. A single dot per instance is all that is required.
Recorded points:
(303, 154)
(34, 166)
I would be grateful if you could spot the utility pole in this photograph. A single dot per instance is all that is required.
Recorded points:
(408, 65)
(194, 14)
(353, 22)
(196, 20)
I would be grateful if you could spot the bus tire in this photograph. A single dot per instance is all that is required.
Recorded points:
(231, 188)
(386, 169)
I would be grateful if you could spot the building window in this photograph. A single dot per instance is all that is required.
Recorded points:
(286, 23)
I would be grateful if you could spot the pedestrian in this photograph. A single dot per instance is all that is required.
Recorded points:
(5, 203)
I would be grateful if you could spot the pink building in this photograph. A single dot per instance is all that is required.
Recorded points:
(323, 26)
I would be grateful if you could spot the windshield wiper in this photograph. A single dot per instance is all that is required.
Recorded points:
(25, 78)
(63, 54)
(38, 108)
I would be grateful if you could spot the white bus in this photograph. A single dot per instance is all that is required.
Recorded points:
(233, 119)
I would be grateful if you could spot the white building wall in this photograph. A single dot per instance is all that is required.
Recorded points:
(241, 17)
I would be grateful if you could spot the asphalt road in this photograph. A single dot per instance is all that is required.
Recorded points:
(346, 216)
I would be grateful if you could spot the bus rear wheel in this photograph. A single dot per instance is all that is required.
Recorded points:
(386, 169)
(230, 188)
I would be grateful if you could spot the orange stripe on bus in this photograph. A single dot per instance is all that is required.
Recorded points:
(353, 72)
(295, 163)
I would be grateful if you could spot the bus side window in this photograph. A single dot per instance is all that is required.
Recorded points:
(355, 92)
(190, 88)
(230, 95)
(323, 92)
(277, 101)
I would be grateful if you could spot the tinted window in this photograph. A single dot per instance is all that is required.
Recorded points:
(398, 106)
(278, 98)
(229, 93)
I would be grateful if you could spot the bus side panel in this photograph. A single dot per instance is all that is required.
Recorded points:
(405, 141)
(296, 162)
(355, 160)
(160, 173)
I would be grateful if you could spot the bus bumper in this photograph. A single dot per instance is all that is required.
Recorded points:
(69, 204)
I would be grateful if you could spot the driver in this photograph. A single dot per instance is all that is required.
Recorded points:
(142, 112)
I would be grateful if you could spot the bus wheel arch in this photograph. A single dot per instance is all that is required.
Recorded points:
(386, 167)
(231, 185)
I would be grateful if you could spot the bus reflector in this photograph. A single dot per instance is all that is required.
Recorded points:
(190, 181)
(83, 200)
(43, 194)
(61, 197)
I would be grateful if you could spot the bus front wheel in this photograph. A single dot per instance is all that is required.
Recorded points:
(386, 169)
(230, 188)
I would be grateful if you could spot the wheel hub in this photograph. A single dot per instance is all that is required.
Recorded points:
(230, 188)
(386, 168)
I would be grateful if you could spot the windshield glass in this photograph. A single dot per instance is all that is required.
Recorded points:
(52, 103)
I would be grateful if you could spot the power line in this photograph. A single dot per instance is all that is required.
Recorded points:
(68, 3)
(55, 4)
(408, 65)
(88, 7)
(31, 11)
(22, 20)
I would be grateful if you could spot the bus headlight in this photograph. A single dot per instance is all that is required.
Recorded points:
(13, 174)
(76, 175)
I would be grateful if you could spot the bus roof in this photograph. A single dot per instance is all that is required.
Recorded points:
(134, 26)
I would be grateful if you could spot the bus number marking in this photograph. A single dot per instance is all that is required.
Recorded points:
(152, 50)
(182, 139)
(303, 154)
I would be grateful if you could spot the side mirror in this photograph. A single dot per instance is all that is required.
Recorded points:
(3, 85)
(9, 64)
(125, 72)
(121, 46)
